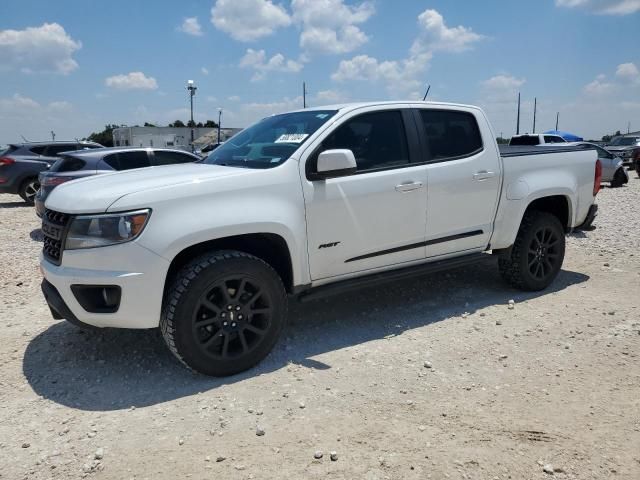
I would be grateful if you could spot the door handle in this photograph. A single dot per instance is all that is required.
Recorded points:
(483, 175)
(408, 187)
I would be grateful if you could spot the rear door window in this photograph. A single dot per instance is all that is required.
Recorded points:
(128, 160)
(38, 150)
(553, 139)
(55, 150)
(450, 134)
(68, 164)
(164, 157)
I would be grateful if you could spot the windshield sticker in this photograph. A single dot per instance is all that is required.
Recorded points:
(322, 116)
(292, 138)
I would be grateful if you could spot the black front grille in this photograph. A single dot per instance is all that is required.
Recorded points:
(54, 228)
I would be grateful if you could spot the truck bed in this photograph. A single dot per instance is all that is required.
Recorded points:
(523, 150)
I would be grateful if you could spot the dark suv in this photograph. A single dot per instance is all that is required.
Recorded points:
(21, 163)
(74, 165)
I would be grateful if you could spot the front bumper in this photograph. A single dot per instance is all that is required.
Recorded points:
(138, 272)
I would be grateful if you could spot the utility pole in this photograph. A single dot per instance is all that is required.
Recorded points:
(557, 120)
(535, 108)
(219, 122)
(192, 91)
(53, 136)
(628, 127)
(518, 121)
(304, 94)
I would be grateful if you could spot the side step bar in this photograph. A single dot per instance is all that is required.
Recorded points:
(391, 275)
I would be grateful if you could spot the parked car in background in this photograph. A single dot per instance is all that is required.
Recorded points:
(613, 170)
(535, 139)
(627, 147)
(21, 163)
(75, 165)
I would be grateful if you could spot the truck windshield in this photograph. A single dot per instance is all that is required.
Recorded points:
(624, 141)
(271, 141)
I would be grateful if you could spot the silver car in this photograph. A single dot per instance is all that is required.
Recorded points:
(613, 171)
(627, 147)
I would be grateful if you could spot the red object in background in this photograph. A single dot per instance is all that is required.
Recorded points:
(597, 179)
(49, 181)
(6, 161)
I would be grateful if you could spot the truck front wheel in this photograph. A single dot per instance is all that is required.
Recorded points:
(224, 313)
(537, 254)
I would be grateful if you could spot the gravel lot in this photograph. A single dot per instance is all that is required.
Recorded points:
(437, 377)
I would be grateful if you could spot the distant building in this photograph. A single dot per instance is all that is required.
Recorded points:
(157, 136)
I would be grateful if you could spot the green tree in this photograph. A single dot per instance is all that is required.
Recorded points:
(105, 137)
(191, 124)
(147, 124)
(177, 124)
(210, 124)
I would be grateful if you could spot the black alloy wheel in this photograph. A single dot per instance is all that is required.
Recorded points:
(543, 255)
(224, 312)
(232, 317)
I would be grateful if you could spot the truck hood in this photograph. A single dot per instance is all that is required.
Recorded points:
(95, 194)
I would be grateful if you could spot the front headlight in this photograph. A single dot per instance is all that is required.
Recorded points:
(88, 231)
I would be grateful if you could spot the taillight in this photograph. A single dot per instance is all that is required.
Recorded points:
(6, 161)
(597, 179)
(49, 181)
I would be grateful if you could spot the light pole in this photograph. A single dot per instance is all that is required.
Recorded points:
(192, 91)
(219, 122)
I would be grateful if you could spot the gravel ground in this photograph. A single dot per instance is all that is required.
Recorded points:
(437, 377)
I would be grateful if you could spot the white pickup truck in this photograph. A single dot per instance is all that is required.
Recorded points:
(306, 204)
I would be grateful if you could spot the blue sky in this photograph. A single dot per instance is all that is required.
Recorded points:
(72, 66)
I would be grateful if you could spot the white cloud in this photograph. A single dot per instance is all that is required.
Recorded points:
(403, 77)
(599, 87)
(325, 97)
(500, 89)
(604, 7)
(47, 48)
(233, 98)
(131, 81)
(191, 26)
(22, 115)
(330, 26)
(204, 70)
(257, 60)
(435, 35)
(628, 71)
(249, 20)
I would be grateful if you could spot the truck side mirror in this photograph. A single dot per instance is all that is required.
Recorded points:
(336, 163)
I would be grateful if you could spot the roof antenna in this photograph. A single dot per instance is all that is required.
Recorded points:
(25, 140)
(426, 94)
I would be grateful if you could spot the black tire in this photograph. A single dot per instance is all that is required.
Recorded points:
(619, 178)
(224, 313)
(28, 190)
(537, 254)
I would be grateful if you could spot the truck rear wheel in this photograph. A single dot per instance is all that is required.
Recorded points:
(224, 313)
(537, 254)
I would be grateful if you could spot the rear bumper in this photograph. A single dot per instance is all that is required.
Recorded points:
(591, 216)
(8, 187)
(39, 207)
